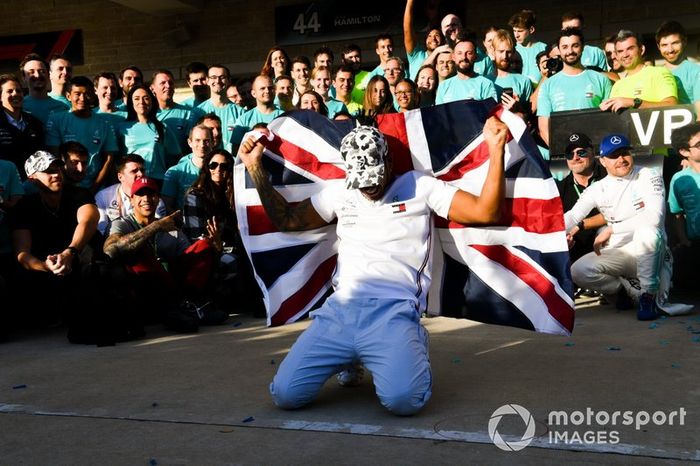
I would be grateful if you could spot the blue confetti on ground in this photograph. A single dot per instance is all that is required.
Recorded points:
(653, 325)
(675, 366)
(249, 419)
(696, 339)
(569, 343)
(614, 348)
(456, 360)
(663, 342)
(663, 317)
(20, 386)
(237, 324)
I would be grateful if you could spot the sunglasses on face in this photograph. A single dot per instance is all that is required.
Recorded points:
(223, 165)
(617, 155)
(577, 152)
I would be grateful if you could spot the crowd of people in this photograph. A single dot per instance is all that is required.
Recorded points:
(116, 202)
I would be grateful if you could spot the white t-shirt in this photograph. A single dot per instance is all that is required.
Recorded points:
(627, 203)
(384, 246)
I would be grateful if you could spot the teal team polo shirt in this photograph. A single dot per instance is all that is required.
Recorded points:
(42, 108)
(228, 115)
(572, 92)
(143, 139)
(250, 118)
(178, 180)
(687, 76)
(454, 88)
(521, 85)
(10, 185)
(593, 56)
(179, 119)
(529, 56)
(684, 197)
(94, 132)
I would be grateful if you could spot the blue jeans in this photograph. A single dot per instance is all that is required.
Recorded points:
(385, 335)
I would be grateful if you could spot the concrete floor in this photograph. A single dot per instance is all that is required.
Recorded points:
(202, 399)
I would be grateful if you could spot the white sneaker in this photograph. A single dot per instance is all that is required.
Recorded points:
(351, 375)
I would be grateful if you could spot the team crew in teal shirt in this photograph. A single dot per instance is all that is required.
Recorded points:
(178, 118)
(220, 105)
(263, 91)
(465, 84)
(81, 125)
(143, 134)
(523, 24)
(416, 53)
(573, 87)
(672, 40)
(180, 177)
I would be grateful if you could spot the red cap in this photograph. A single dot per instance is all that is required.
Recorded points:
(145, 183)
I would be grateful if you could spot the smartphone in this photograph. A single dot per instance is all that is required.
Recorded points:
(509, 91)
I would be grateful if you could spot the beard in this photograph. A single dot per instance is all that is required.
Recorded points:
(503, 65)
(571, 60)
(465, 67)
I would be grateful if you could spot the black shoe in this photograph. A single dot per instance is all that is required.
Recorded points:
(182, 319)
(211, 315)
(623, 302)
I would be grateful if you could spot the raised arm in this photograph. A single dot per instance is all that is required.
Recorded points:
(467, 208)
(285, 216)
(409, 41)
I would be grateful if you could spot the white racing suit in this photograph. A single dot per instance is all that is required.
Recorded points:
(634, 207)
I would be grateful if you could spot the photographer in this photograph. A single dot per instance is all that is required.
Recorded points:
(574, 87)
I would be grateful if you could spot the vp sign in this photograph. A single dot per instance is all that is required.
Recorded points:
(654, 127)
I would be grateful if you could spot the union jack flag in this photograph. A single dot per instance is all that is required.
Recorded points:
(514, 273)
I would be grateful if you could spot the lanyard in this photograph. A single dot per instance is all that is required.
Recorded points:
(578, 191)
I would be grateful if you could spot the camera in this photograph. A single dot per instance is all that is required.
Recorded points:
(554, 65)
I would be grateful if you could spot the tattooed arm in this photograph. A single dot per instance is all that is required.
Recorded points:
(119, 244)
(285, 216)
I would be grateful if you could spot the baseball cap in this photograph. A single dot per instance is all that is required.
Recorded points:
(40, 161)
(364, 151)
(145, 183)
(613, 142)
(577, 140)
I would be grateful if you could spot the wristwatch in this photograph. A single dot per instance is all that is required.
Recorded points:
(637, 102)
(580, 226)
(72, 250)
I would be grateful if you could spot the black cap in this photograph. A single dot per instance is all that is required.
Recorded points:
(576, 140)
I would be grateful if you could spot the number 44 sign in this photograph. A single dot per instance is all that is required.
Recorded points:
(302, 24)
(326, 21)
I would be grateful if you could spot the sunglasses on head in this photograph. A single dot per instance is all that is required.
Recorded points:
(577, 152)
(225, 166)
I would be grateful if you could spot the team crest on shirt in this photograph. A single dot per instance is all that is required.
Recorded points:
(639, 205)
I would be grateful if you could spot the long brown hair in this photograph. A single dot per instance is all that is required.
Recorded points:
(267, 69)
(212, 196)
(386, 105)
